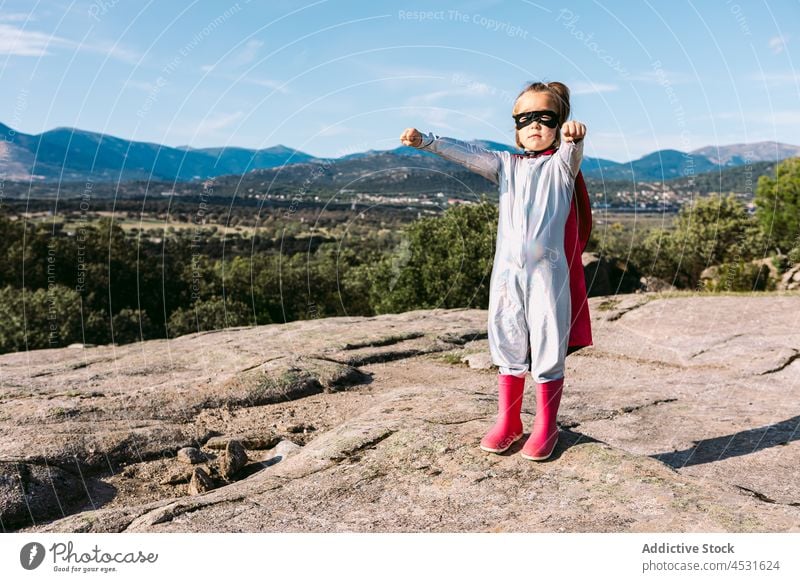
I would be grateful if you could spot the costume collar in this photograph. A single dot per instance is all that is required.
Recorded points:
(537, 153)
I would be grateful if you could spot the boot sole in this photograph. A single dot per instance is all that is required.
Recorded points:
(489, 450)
(547, 456)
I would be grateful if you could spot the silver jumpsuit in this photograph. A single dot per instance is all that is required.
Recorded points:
(530, 307)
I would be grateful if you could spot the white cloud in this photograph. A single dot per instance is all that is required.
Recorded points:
(248, 54)
(436, 119)
(456, 97)
(273, 84)
(269, 83)
(588, 87)
(778, 43)
(214, 123)
(19, 42)
(441, 118)
(25, 43)
(244, 57)
(456, 109)
(785, 117)
(775, 79)
(456, 119)
(114, 50)
(17, 17)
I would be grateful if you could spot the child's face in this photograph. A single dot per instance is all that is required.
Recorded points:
(536, 136)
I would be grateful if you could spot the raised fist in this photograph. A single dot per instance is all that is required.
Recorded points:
(411, 137)
(573, 131)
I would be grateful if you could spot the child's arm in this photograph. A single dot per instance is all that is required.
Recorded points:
(571, 150)
(485, 162)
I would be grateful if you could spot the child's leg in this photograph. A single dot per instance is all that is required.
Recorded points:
(549, 312)
(508, 332)
(508, 428)
(508, 343)
(544, 434)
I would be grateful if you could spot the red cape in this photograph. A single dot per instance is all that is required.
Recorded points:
(576, 237)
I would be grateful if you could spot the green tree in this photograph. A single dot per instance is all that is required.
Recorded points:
(740, 276)
(343, 291)
(44, 318)
(440, 261)
(131, 325)
(630, 245)
(250, 281)
(778, 205)
(710, 231)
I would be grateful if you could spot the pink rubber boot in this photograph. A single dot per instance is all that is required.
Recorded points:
(544, 434)
(508, 429)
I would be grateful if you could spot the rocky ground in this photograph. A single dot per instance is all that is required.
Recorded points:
(682, 417)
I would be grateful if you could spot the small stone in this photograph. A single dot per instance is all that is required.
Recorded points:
(258, 442)
(200, 482)
(218, 442)
(190, 456)
(176, 477)
(478, 361)
(233, 459)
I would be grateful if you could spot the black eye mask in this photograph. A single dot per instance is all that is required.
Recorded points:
(545, 117)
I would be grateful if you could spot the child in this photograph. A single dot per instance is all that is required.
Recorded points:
(538, 311)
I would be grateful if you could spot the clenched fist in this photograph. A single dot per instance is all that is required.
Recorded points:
(573, 131)
(411, 137)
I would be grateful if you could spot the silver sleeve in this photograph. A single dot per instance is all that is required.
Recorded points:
(571, 154)
(485, 162)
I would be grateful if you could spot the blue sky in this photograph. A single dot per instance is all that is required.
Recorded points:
(335, 77)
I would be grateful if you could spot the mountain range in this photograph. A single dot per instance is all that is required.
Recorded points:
(73, 155)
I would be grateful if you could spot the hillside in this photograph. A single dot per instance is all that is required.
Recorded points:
(68, 154)
(677, 419)
(73, 155)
